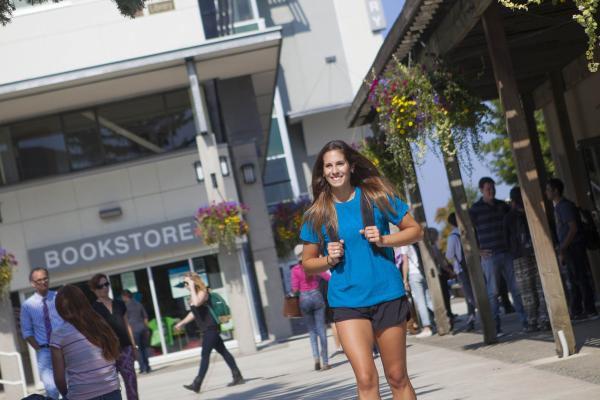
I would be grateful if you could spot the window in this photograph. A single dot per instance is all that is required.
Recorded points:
(41, 148)
(88, 138)
(81, 135)
(182, 120)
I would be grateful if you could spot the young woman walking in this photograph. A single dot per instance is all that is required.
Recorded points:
(313, 307)
(114, 313)
(200, 311)
(84, 350)
(346, 229)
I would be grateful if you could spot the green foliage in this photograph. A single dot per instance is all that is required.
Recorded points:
(376, 150)
(498, 149)
(128, 8)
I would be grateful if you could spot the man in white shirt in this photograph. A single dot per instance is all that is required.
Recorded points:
(454, 254)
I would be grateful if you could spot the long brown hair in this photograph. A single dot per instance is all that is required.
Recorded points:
(364, 175)
(75, 308)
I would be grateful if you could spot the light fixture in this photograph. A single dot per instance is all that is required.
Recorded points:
(109, 213)
(199, 171)
(248, 173)
(224, 166)
(330, 60)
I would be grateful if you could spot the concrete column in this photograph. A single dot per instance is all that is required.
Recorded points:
(237, 296)
(205, 139)
(262, 244)
(9, 366)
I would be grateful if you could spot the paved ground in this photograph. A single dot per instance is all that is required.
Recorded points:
(453, 367)
(283, 371)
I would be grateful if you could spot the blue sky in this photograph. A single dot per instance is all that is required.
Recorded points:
(432, 177)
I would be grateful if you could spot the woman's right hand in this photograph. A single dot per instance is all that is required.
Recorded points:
(407, 286)
(335, 250)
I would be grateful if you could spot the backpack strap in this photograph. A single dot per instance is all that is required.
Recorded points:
(368, 217)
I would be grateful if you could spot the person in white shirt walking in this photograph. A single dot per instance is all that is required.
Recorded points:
(414, 282)
(456, 256)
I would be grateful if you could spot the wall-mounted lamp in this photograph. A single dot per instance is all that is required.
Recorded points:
(109, 213)
(199, 172)
(224, 165)
(248, 173)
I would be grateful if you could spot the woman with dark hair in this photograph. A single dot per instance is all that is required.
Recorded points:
(84, 350)
(346, 229)
(114, 313)
(211, 339)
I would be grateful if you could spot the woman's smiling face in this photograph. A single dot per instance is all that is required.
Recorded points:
(336, 169)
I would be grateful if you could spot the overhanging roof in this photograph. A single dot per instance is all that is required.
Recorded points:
(255, 54)
(542, 40)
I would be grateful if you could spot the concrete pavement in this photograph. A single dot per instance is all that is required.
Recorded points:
(284, 371)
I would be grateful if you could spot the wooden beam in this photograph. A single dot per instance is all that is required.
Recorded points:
(456, 25)
(576, 169)
(470, 247)
(430, 266)
(529, 181)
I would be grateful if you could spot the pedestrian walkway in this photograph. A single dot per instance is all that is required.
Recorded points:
(284, 371)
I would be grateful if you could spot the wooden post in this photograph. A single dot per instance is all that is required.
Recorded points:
(470, 247)
(529, 180)
(576, 171)
(429, 264)
(529, 109)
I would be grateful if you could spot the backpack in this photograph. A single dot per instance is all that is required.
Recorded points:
(218, 308)
(523, 236)
(589, 230)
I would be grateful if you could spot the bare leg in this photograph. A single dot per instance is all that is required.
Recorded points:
(356, 336)
(392, 346)
(336, 338)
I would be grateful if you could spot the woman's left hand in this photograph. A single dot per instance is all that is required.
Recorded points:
(372, 235)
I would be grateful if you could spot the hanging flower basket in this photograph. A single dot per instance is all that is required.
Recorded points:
(221, 223)
(286, 222)
(417, 107)
(7, 263)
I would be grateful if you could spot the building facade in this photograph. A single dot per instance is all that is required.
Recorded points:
(114, 131)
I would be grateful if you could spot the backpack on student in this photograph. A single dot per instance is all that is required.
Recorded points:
(218, 308)
(588, 227)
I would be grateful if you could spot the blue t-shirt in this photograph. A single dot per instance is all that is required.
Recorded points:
(363, 277)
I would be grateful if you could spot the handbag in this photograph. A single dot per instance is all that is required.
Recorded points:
(291, 307)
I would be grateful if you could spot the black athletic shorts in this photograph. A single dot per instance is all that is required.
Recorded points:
(382, 315)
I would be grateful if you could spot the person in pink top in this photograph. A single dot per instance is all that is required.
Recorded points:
(313, 308)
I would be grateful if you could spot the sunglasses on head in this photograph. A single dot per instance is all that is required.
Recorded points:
(103, 285)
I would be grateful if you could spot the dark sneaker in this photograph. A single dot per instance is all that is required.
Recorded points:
(317, 366)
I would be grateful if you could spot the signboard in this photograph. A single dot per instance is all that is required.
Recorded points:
(116, 246)
(376, 16)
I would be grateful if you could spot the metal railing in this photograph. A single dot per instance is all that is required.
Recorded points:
(21, 372)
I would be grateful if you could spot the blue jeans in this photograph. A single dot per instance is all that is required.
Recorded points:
(44, 360)
(116, 395)
(465, 281)
(501, 264)
(420, 295)
(313, 311)
(141, 339)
